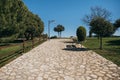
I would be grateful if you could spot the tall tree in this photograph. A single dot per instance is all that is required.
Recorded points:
(12, 15)
(35, 26)
(16, 19)
(39, 26)
(100, 26)
(97, 12)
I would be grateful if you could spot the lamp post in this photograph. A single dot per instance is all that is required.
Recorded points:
(49, 21)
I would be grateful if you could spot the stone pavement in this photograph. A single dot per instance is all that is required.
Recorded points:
(50, 61)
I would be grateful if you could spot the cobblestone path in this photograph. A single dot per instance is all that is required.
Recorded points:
(50, 61)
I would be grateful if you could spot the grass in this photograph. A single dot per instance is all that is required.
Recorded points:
(10, 51)
(111, 48)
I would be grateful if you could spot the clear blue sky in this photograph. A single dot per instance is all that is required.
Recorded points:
(70, 13)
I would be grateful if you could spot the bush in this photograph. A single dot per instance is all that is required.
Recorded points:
(81, 33)
(53, 37)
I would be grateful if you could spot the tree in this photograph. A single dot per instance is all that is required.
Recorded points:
(17, 20)
(35, 26)
(90, 33)
(12, 14)
(59, 28)
(97, 12)
(100, 26)
(81, 34)
(56, 30)
(117, 24)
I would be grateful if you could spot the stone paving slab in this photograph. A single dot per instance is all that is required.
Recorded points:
(51, 61)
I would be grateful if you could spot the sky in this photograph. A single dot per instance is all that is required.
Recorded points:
(70, 13)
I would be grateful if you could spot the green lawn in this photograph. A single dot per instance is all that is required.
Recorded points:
(9, 50)
(111, 48)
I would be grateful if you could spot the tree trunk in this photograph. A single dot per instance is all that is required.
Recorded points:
(32, 43)
(31, 36)
(60, 34)
(23, 46)
(40, 37)
(98, 37)
(101, 42)
(90, 34)
(27, 36)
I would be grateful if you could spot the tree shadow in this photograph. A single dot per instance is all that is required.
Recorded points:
(114, 42)
(74, 48)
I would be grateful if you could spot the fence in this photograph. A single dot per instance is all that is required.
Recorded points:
(23, 47)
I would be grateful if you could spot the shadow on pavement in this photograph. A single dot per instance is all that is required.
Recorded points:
(74, 48)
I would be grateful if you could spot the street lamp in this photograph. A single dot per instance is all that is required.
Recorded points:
(49, 21)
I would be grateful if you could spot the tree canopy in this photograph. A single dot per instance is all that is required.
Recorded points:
(97, 12)
(117, 24)
(101, 27)
(81, 33)
(59, 28)
(16, 19)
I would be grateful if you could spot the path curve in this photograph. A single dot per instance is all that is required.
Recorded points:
(51, 61)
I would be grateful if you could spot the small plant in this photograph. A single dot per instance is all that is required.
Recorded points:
(74, 39)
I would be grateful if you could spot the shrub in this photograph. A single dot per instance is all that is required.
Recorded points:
(74, 39)
(53, 37)
(81, 33)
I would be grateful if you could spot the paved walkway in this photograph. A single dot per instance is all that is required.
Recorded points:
(50, 61)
